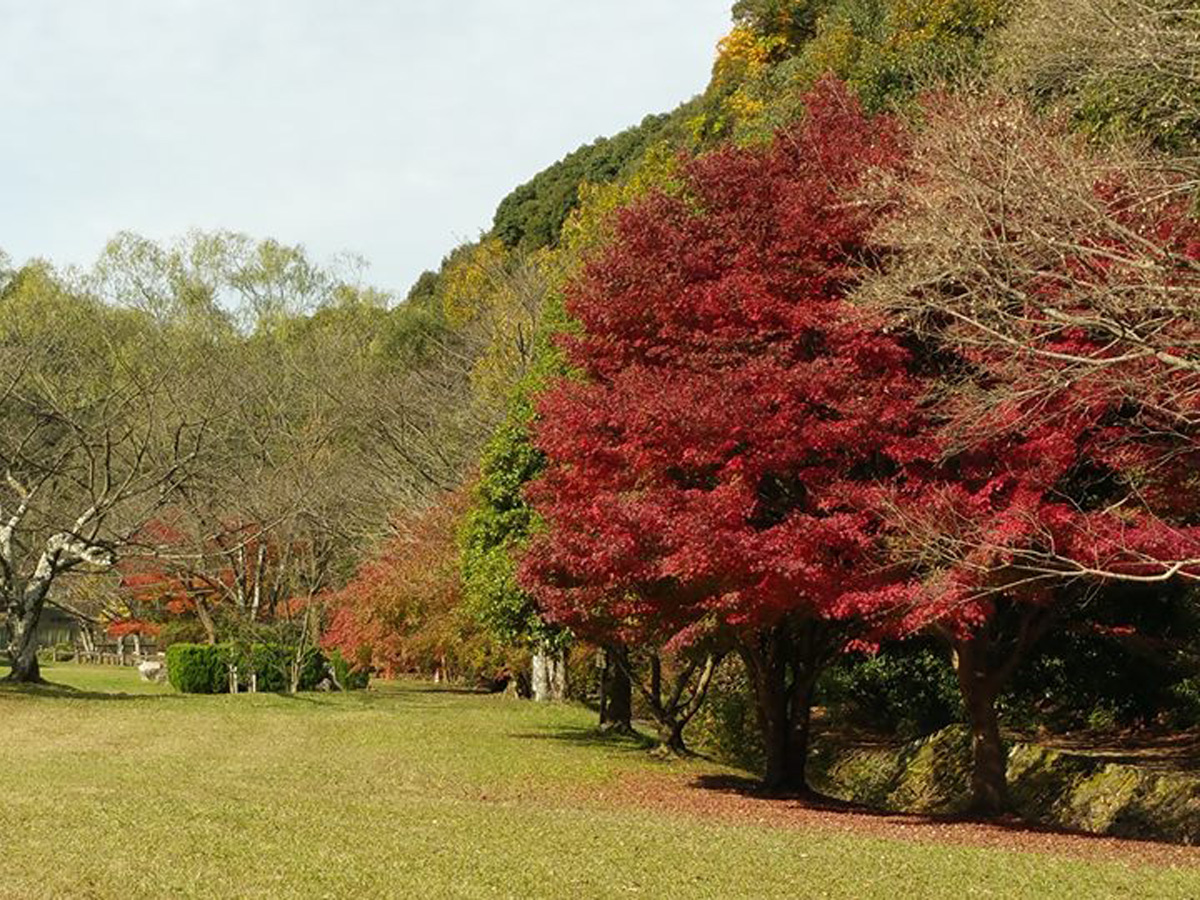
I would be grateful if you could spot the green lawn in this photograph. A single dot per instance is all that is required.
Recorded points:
(114, 788)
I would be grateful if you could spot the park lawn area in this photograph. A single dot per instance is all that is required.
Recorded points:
(116, 788)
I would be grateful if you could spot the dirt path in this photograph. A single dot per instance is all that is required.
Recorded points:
(734, 800)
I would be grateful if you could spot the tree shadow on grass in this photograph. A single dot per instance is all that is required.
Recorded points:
(752, 788)
(591, 736)
(55, 691)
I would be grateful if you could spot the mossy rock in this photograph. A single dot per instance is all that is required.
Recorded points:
(866, 775)
(930, 775)
(1163, 806)
(1047, 786)
(937, 773)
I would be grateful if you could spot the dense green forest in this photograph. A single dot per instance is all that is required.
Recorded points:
(865, 380)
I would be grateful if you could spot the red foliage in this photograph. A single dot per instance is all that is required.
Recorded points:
(180, 570)
(718, 464)
(133, 626)
(402, 611)
(1054, 470)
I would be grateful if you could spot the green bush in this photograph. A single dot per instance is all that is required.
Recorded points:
(1185, 710)
(272, 664)
(726, 727)
(198, 668)
(347, 676)
(1124, 660)
(313, 669)
(908, 689)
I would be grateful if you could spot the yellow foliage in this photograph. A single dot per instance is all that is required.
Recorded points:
(744, 105)
(885, 49)
(469, 282)
(745, 54)
(498, 297)
(924, 21)
(590, 225)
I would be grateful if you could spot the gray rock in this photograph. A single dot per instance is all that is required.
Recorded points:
(152, 670)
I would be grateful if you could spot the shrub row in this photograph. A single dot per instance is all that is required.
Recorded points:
(205, 668)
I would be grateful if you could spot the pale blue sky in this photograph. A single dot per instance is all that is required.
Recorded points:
(387, 128)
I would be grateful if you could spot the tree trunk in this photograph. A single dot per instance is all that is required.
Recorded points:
(206, 622)
(23, 622)
(980, 686)
(783, 663)
(539, 679)
(616, 690)
(784, 770)
(558, 676)
(22, 645)
(671, 737)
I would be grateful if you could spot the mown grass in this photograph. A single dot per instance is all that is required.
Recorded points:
(116, 788)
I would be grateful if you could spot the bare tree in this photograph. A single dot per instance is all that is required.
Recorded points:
(1040, 274)
(1117, 65)
(91, 445)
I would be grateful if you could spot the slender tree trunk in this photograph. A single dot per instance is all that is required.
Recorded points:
(260, 562)
(539, 681)
(980, 687)
(656, 678)
(616, 691)
(206, 622)
(559, 685)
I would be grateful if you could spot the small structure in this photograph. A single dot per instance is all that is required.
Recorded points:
(55, 627)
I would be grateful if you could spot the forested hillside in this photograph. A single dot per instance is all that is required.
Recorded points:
(866, 380)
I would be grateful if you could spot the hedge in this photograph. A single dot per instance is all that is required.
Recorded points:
(204, 668)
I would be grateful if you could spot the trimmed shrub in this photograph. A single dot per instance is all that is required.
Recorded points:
(272, 664)
(198, 668)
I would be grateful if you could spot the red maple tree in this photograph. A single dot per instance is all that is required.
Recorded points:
(716, 469)
(403, 611)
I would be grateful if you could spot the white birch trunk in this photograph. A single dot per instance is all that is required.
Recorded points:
(540, 680)
(558, 676)
(549, 681)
